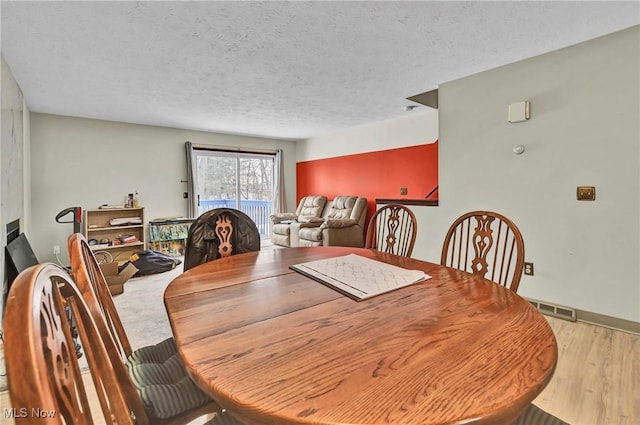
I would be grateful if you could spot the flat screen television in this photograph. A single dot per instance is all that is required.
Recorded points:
(18, 257)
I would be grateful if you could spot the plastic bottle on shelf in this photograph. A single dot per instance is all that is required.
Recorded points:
(136, 200)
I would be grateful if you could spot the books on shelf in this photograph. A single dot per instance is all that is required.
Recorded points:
(99, 246)
(359, 277)
(125, 221)
(128, 239)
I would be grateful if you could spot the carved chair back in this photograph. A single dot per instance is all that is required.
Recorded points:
(491, 245)
(392, 229)
(220, 233)
(42, 365)
(487, 244)
(93, 286)
(176, 408)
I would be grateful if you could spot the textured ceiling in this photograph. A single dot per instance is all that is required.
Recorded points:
(288, 70)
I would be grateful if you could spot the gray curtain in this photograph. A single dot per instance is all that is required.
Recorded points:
(192, 201)
(279, 198)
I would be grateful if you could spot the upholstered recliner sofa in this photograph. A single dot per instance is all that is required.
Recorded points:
(319, 222)
(343, 224)
(308, 213)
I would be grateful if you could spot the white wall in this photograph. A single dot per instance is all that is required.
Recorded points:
(14, 162)
(12, 151)
(419, 127)
(87, 163)
(584, 130)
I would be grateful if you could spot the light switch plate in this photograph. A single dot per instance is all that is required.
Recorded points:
(519, 111)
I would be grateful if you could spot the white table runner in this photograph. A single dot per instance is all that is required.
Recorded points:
(359, 277)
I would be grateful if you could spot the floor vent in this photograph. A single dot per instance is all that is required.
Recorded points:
(558, 311)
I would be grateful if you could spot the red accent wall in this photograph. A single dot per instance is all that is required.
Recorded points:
(373, 175)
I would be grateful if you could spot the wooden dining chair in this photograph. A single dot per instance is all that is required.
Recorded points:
(42, 367)
(91, 281)
(43, 373)
(487, 244)
(392, 229)
(219, 233)
(157, 371)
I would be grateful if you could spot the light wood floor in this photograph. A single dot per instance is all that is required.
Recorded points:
(596, 382)
(597, 379)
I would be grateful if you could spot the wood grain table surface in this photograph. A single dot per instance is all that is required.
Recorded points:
(275, 347)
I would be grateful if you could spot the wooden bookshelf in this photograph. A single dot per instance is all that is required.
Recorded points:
(109, 237)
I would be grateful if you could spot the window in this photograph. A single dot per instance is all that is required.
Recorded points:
(240, 180)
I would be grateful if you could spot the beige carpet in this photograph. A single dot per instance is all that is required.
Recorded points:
(141, 308)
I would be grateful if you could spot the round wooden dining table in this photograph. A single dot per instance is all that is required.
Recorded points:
(273, 346)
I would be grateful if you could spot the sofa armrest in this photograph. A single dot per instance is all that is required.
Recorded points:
(338, 223)
(280, 217)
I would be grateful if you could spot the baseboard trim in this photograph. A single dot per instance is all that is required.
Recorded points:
(574, 315)
(609, 322)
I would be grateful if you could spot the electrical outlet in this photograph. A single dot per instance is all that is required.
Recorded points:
(586, 193)
(403, 191)
(528, 269)
(56, 249)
